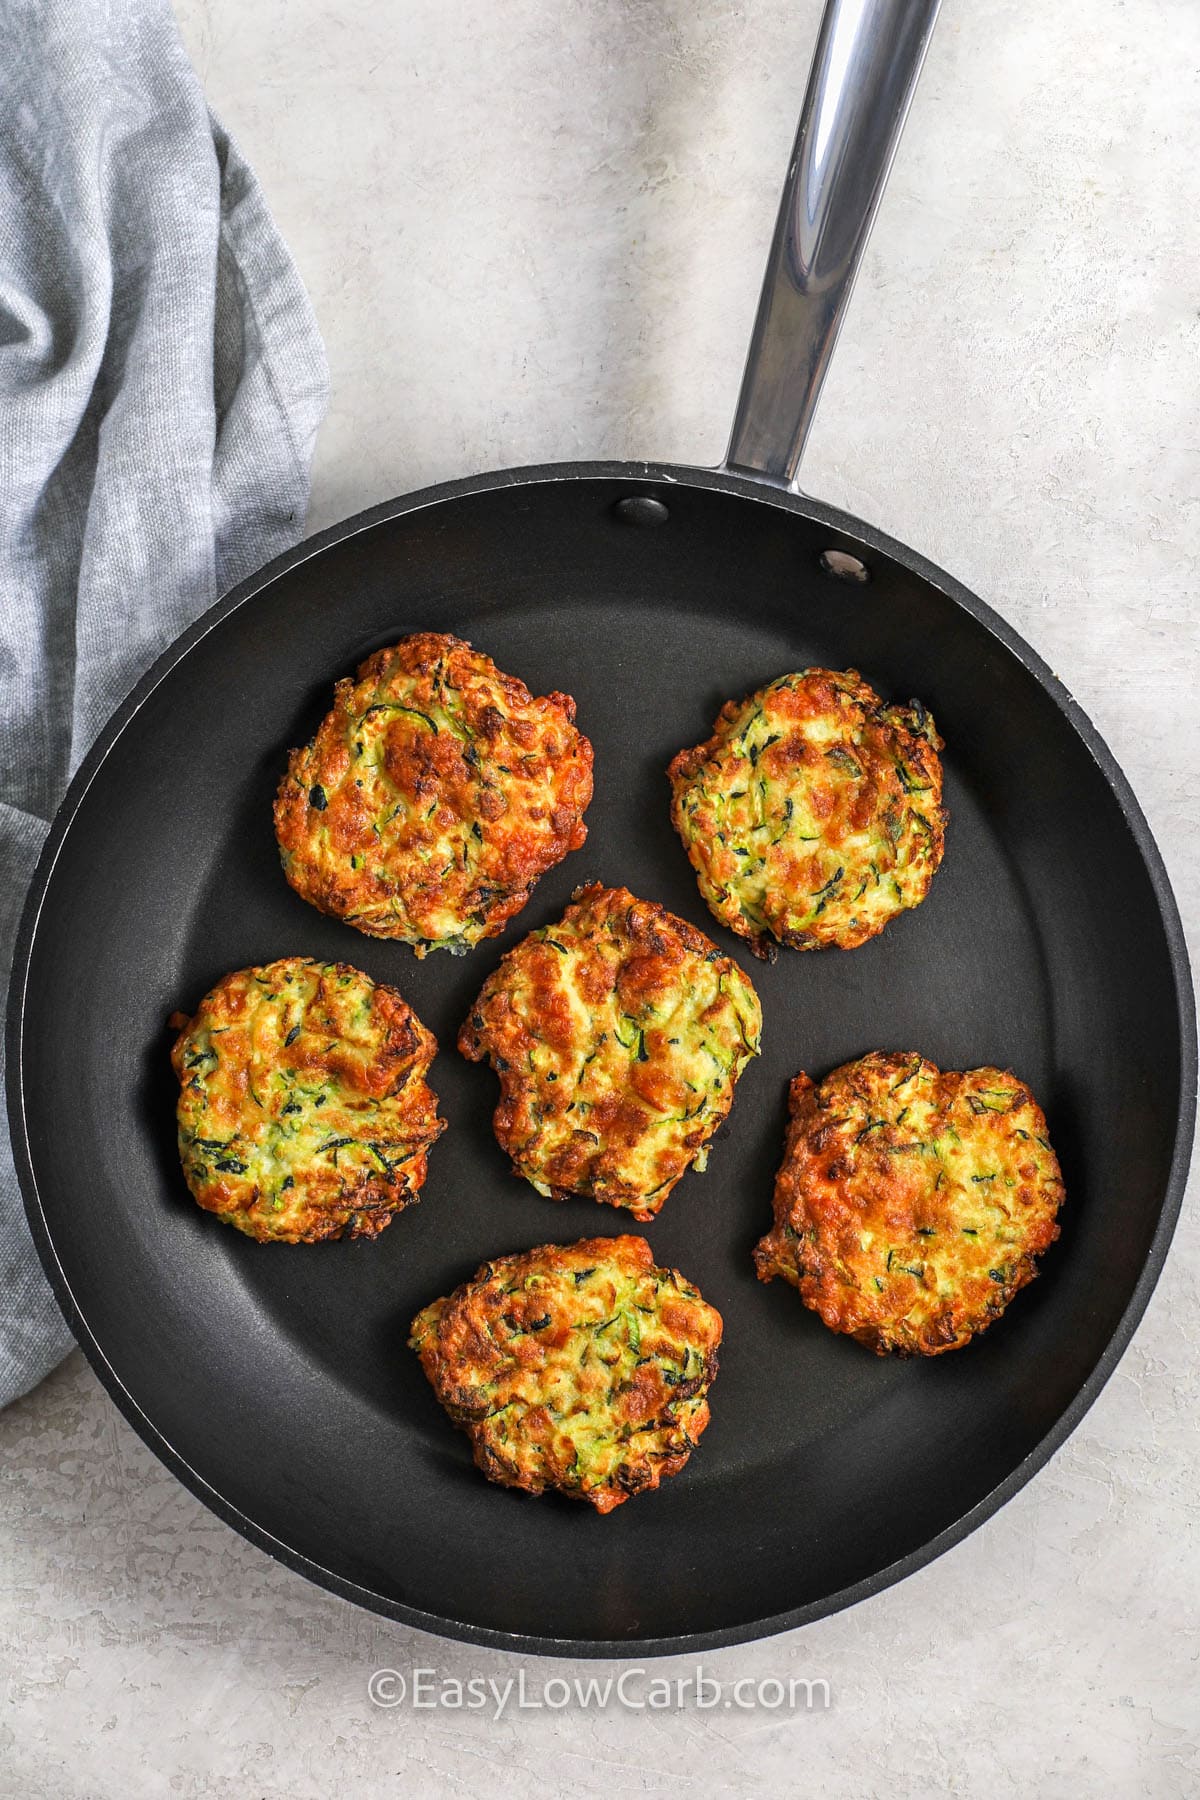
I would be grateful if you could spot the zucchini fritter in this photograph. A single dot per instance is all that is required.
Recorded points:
(303, 1109)
(580, 1367)
(618, 1035)
(813, 814)
(911, 1204)
(433, 796)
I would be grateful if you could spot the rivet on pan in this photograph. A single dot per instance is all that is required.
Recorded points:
(641, 509)
(844, 567)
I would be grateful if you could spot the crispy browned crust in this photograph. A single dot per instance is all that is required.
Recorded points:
(304, 1113)
(578, 1367)
(618, 1035)
(911, 1204)
(434, 795)
(813, 813)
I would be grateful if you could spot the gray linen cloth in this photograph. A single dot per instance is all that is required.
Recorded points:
(161, 384)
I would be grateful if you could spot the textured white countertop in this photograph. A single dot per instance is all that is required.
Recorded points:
(536, 232)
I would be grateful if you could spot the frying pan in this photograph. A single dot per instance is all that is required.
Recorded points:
(275, 1382)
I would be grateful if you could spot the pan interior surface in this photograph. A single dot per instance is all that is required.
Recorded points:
(278, 1381)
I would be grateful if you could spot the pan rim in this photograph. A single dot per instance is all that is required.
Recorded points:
(863, 535)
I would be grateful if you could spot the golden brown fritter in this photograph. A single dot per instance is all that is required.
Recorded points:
(911, 1204)
(618, 1036)
(433, 796)
(303, 1108)
(813, 814)
(580, 1367)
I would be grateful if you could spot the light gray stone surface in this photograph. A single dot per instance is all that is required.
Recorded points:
(536, 231)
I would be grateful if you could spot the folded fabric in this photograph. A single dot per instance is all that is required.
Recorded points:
(161, 384)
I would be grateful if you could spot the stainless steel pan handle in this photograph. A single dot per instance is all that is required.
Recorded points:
(865, 68)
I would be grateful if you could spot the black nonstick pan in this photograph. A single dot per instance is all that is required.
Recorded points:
(276, 1382)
